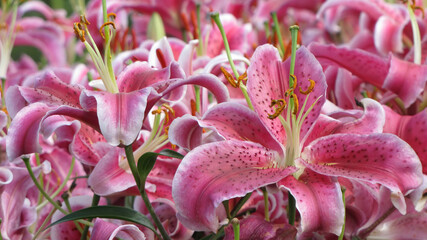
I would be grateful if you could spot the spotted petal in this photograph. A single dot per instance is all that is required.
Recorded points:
(219, 171)
(268, 79)
(230, 120)
(375, 158)
(318, 200)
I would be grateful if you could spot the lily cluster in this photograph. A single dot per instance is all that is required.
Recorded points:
(132, 119)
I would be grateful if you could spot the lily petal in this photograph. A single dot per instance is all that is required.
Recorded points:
(218, 171)
(318, 200)
(229, 120)
(268, 79)
(375, 158)
(120, 115)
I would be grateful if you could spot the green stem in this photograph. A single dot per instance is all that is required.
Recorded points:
(215, 17)
(291, 209)
(63, 184)
(266, 208)
(200, 46)
(236, 228)
(227, 209)
(141, 186)
(341, 237)
(65, 197)
(197, 96)
(1, 237)
(95, 201)
(279, 36)
(45, 222)
(3, 97)
(41, 190)
(233, 214)
(294, 35)
(416, 35)
(240, 204)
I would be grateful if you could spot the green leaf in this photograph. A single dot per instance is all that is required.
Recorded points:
(171, 153)
(112, 212)
(145, 164)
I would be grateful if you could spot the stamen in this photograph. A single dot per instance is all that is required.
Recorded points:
(161, 57)
(101, 29)
(243, 77)
(294, 80)
(184, 20)
(83, 20)
(229, 78)
(309, 89)
(296, 104)
(79, 31)
(193, 107)
(195, 25)
(166, 109)
(281, 103)
(112, 15)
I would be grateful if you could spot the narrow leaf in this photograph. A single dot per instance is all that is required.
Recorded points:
(171, 153)
(112, 212)
(145, 164)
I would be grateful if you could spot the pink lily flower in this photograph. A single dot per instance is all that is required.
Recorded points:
(107, 230)
(388, 22)
(390, 74)
(412, 129)
(165, 210)
(270, 149)
(17, 207)
(53, 96)
(256, 227)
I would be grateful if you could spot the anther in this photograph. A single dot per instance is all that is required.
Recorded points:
(111, 15)
(184, 20)
(296, 103)
(243, 77)
(83, 20)
(294, 80)
(166, 109)
(230, 78)
(79, 31)
(281, 103)
(101, 29)
(193, 107)
(161, 57)
(309, 89)
(195, 25)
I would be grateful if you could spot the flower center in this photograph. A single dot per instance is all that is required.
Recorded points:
(293, 120)
(158, 136)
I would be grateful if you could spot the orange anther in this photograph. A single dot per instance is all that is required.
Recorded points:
(193, 107)
(184, 20)
(83, 20)
(281, 104)
(296, 104)
(195, 25)
(229, 78)
(309, 89)
(79, 31)
(111, 15)
(101, 29)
